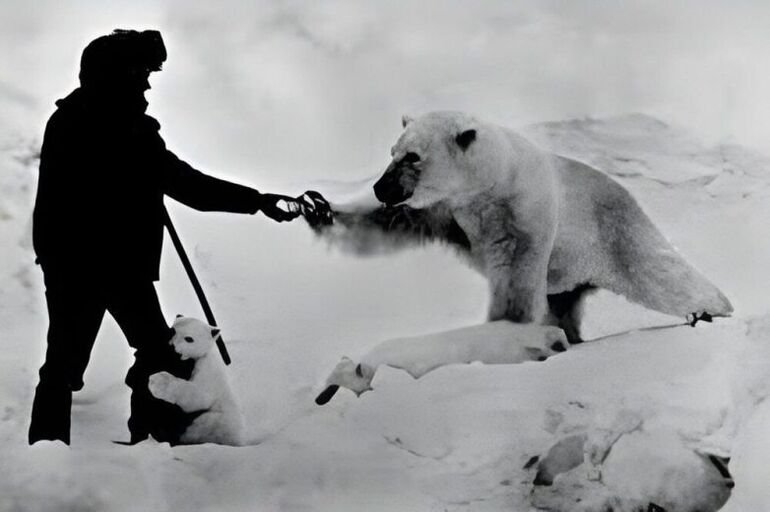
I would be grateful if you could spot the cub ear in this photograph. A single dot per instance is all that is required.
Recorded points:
(465, 138)
(215, 332)
(405, 120)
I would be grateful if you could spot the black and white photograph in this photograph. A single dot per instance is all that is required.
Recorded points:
(384, 256)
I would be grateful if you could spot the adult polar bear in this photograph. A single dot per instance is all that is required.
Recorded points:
(542, 228)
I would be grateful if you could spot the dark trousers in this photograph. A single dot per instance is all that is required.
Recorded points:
(76, 308)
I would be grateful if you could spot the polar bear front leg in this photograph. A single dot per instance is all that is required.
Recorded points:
(517, 269)
(512, 240)
(183, 393)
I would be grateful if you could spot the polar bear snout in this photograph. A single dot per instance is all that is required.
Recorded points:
(397, 184)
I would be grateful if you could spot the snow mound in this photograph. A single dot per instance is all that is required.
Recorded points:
(623, 465)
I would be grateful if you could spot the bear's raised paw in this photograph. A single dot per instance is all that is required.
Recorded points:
(161, 384)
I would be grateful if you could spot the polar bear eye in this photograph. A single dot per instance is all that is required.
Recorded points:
(411, 158)
(188, 339)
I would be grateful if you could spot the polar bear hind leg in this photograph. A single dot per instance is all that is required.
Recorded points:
(204, 429)
(214, 427)
(648, 270)
(565, 311)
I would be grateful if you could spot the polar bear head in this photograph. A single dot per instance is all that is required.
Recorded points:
(355, 377)
(192, 339)
(440, 156)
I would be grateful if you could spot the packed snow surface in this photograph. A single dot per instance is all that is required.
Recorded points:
(649, 406)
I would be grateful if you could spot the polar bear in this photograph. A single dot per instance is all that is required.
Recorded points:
(206, 397)
(500, 342)
(543, 229)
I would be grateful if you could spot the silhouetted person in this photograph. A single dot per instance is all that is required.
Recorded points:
(98, 230)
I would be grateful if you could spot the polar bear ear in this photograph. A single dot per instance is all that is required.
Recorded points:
(465, 138)
(405, 120)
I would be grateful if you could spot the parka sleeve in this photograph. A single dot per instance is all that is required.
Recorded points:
(203, 192)
(181, 181)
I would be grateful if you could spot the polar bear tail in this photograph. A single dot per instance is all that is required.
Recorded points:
(650, 271)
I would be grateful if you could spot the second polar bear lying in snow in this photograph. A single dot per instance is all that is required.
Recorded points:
(206, 397)
(543, 229)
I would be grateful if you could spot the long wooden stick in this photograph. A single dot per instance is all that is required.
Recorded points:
(195, 283)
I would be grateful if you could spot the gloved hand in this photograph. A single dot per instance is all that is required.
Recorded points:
(316, 209)
(280, 208)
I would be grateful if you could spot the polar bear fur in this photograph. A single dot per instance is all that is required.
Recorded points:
(542, 228)
(500, 342)
(207, 396)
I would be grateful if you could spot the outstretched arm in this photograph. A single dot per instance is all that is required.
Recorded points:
(378, 229)
(207, 193)
(203, 192)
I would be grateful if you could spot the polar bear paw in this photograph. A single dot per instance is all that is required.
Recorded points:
(161, 385)
(355, 377)
(553, 341)
(557, 340)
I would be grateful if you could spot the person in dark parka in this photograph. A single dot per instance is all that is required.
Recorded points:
(98, 230)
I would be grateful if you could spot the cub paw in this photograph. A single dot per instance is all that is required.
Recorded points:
(160, 385)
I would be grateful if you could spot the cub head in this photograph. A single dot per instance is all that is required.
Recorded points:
(438, 157)
(192, 339)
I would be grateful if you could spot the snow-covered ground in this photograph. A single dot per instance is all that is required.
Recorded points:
(632, 418)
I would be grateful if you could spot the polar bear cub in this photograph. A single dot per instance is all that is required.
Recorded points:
(207, 396)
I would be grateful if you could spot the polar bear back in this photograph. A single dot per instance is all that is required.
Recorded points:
(605, 239)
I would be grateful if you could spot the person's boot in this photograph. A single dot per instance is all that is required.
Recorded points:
(164, 421)
(136, 379)
(51, 414)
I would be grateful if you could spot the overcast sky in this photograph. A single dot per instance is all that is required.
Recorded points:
(284, 91)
